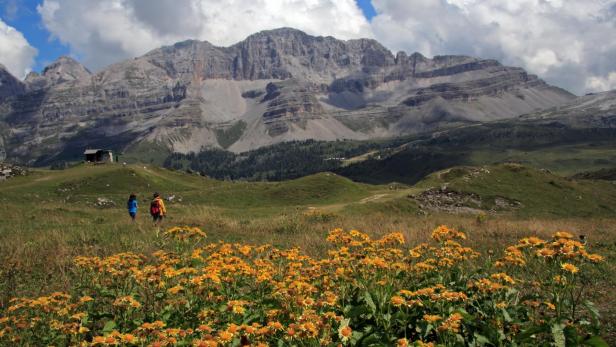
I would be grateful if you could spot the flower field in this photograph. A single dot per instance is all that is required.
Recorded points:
(365, 292)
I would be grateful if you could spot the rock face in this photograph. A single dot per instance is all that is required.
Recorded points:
(65, 72)
(589, 111)
(9, 85)
(279, 85)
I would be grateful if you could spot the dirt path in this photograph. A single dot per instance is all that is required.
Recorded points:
(372, 198)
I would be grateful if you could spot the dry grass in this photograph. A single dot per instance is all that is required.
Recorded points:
(37, 253)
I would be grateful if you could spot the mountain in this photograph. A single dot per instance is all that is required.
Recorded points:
(569, 139)
(577, 137)
(10, 86)
(65, 72)
(274, 86)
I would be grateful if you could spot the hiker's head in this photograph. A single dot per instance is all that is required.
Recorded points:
(156, 195)
(132, 196)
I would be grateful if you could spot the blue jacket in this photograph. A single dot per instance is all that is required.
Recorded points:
(132, 205)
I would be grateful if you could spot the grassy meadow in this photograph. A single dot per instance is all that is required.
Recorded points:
(50, 217)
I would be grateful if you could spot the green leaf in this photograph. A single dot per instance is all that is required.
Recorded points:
(481, 340)
(571, 336)
(357, 311)
(595, 341)
(594, 311)
(467, 317)
(506, 316)
(251, 318)
(369, 301)
(356, 336)
(371, 340)
(109, 326)
(559, 335)
(525, 334)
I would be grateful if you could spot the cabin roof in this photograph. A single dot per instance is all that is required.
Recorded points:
(91, 151)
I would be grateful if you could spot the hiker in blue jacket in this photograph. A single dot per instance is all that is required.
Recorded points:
(132, 206)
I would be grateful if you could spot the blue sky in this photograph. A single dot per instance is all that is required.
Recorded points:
(367, 8)
(23, 16)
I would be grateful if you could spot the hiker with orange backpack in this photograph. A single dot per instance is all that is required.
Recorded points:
(157, 209)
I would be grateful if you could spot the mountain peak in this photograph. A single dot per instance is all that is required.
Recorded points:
(283, 31)
(64, 62)
(65, 69)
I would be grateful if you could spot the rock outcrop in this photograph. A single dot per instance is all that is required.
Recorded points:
(281, 84)
(65, 72)
(9, 85)
(9, 170)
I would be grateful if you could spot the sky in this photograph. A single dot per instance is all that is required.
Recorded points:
(568, 43)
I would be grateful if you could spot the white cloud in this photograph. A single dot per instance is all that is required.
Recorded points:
(15, 51)
(598, 83)
(569, 43)
(104, 32)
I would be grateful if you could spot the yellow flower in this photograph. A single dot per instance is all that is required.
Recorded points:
(225, 336)
(275, 325)
(397, 300)
(175, 290)
(452, 323)
(546, 252)
(432, 318)
(569, 268)
(563, 235)
(98, 340)
(503, 277)
(345, 333)
(443, 233)
(550, 305)
(85, 299)
(595, 258)
(402, 342)
(205, 343)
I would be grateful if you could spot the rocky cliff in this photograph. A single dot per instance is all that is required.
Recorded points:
(274, 86)
(9, 85)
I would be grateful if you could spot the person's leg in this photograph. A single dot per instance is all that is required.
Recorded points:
(157, 218)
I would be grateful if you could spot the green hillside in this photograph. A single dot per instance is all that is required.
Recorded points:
(563, 150)
(523, 191)
(51, 216)
(86, 183)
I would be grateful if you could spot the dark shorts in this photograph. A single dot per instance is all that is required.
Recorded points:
(132, 214)
(157, 217)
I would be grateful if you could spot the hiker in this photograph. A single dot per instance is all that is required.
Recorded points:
(157, 209)
(131, 204)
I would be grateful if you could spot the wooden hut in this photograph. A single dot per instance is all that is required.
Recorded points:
(98, 156)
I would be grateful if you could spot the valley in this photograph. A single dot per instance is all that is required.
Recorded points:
(49, 217)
